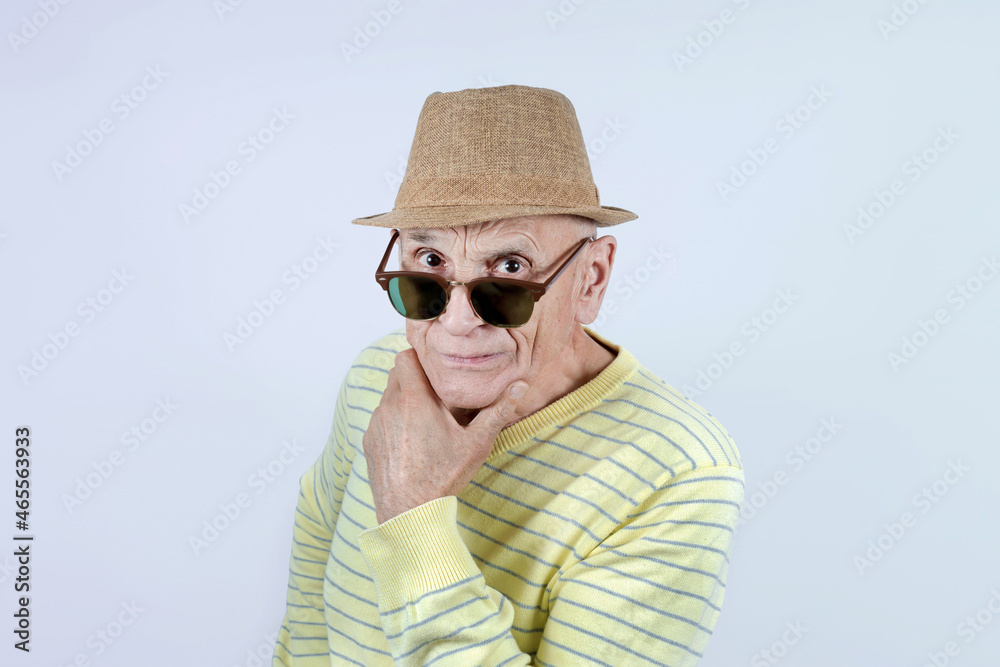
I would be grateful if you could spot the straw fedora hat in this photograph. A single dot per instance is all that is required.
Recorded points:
(491, 153)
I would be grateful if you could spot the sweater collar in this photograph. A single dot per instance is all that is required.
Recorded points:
(579, 400)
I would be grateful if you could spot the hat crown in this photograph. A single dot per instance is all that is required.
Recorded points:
(496, 153)
(504, 145)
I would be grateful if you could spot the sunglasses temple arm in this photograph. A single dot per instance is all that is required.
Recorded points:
(388, 251)
(545, 285)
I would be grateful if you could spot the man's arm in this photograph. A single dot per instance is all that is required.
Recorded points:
(648, 594)
(302, 639)
(434, 603)
(652, 591)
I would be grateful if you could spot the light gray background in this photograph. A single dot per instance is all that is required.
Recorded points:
(676, 132)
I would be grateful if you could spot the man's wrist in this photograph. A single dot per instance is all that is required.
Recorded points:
(416, 552)
(385, 511)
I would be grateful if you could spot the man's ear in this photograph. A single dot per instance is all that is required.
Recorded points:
(596, 276)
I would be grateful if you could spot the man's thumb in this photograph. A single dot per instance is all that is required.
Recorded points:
(496, 416)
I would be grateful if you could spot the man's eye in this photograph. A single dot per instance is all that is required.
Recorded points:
(511, 266)
(430, 259)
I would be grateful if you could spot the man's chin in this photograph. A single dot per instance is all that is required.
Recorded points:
(466, 390)
(465, 401)
(464, 397)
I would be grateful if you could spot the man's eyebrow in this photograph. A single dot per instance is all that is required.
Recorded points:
(521, 249)
(429, 238)
(423, 237)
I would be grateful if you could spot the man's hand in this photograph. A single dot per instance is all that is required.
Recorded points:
(416, 451)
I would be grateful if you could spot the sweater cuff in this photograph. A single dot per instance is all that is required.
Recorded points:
(416, 552)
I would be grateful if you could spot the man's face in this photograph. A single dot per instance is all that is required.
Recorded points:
(467, 361)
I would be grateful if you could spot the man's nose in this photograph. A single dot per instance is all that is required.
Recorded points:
(458, 318)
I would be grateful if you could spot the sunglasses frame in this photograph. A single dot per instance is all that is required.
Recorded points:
(537, 290)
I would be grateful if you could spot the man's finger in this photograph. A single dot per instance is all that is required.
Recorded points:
(391, 385)
(495, 416)
(406, 361)
(407, 366)
(411, 376)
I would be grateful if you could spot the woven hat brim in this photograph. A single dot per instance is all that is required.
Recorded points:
(457, 216)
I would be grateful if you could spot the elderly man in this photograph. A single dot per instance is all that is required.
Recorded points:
(502, 485)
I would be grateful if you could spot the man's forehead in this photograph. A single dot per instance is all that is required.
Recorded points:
(510, 236)
(535, 229)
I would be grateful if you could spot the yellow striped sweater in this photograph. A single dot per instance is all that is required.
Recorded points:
(598, 531)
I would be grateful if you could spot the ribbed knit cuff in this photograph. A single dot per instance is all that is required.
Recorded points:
(416, 552)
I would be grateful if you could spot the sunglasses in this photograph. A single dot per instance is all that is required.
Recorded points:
(500, 302)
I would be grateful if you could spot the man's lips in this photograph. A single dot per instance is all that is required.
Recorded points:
(467, 359)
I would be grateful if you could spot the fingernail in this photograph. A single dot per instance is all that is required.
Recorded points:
(517, 391)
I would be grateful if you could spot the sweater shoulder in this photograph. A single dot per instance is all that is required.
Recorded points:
(665, 425)
(380, 353)
(369, 370)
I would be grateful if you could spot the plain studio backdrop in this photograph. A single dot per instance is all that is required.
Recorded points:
(815, 263)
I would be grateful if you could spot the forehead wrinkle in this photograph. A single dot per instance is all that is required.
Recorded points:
(431, 237)
(523, 244)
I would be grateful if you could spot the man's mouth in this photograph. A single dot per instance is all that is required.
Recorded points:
(469, 359)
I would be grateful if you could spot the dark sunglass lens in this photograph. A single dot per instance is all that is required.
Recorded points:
(416, 298)
(502, 305)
